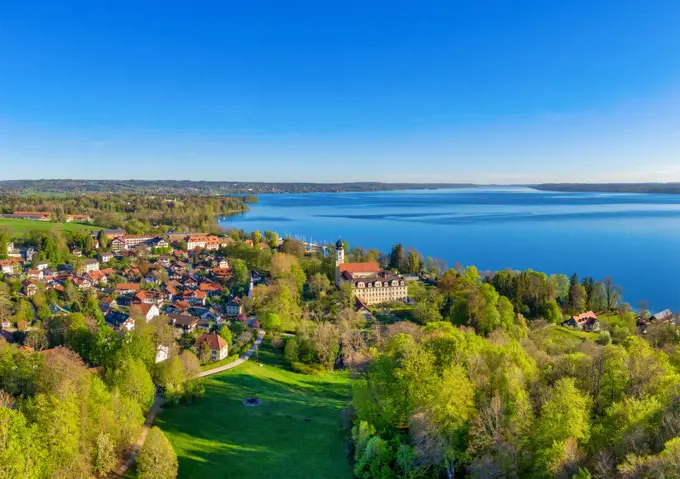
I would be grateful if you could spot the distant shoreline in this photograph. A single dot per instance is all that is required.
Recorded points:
(168, 187)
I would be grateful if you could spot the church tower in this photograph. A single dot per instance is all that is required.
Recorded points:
(339, 259)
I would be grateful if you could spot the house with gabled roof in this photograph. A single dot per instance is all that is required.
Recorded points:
(587, 321)
(144, 310)
(219, 349)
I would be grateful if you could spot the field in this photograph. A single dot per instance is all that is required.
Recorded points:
(19, 227)
(295, 433)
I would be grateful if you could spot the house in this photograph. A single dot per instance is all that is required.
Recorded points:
(178, 307)
(234, 307)
(144, 310)
(223, 264)
(227, 241)
(158, 242)
(105, 257)
(90, 265)
(211, 289)
(585, 321)
(114, 233)
(203, 324)
(29, 288)
(184, 322)
(195, 297)
(221, 273)
(6, 323)
(42, 265)
(219, 349)
(9, 266)
(32, 215)
(70, 218)
(665, 315)
(120, 321)
(190, 282)
(36, 274)
(77, 252)
(97, 277)
(210, 242)
(29, 253)
(81, 283)
(162, 353)
(149, 297)
(122, 288)
(211, 316)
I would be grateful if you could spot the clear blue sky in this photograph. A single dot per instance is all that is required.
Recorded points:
(482, 91)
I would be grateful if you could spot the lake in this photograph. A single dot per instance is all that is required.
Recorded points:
(635, 238)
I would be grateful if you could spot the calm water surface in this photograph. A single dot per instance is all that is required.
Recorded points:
(635, 238)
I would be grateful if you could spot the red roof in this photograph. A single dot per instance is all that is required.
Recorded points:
(214, 341)
(372, 267)
(209, 287)
(142, 308)
(127, 286)
(585, 317)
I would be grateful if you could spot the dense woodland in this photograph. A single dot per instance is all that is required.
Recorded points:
(480, 380)
(137, 213)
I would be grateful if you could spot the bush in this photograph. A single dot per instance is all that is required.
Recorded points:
(604, 338)
(290, 353)
(157, 458)
(311, 369)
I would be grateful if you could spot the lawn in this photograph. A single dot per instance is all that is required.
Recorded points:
(295, 433)
(18, 227)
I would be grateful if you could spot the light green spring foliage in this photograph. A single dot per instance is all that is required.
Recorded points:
(157, 459)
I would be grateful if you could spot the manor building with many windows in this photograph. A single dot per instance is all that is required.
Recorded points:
(370, 283)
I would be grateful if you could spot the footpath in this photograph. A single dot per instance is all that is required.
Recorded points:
(125, 465)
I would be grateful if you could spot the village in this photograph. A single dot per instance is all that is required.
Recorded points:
(181, 276)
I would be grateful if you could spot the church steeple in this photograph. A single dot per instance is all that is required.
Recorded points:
(339, 259)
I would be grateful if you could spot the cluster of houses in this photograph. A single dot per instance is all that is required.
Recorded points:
(178, 285)
(589, 321)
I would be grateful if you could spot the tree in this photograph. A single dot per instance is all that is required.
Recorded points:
(239, 272)
(134, 380)
(20, 455)
(157, 458)
(576, 302)
(612, 293)
(563, 423)
(256, 237)
(415, 261)
(204, 354)
(290, 352)
(271, 321)
(397, 258)
(318, 285)
(225, 333)
(272, 238)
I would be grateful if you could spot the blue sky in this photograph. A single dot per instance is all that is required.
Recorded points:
(421, 91)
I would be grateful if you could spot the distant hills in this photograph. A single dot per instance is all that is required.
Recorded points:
(241, 187)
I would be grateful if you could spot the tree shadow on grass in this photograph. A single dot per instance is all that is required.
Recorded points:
(296, 432)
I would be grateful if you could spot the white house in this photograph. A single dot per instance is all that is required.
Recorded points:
(145, 310)
(219, 349)
(90, 265)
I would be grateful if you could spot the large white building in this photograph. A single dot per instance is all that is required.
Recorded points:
(369, 282)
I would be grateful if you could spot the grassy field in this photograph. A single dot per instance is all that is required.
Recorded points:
(295, 433)
(19, 227)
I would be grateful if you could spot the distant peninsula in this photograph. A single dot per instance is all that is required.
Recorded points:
(661, 188)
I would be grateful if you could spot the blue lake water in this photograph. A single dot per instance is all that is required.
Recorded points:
(635, 238)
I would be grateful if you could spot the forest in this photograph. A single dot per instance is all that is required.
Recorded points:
(479, 378)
